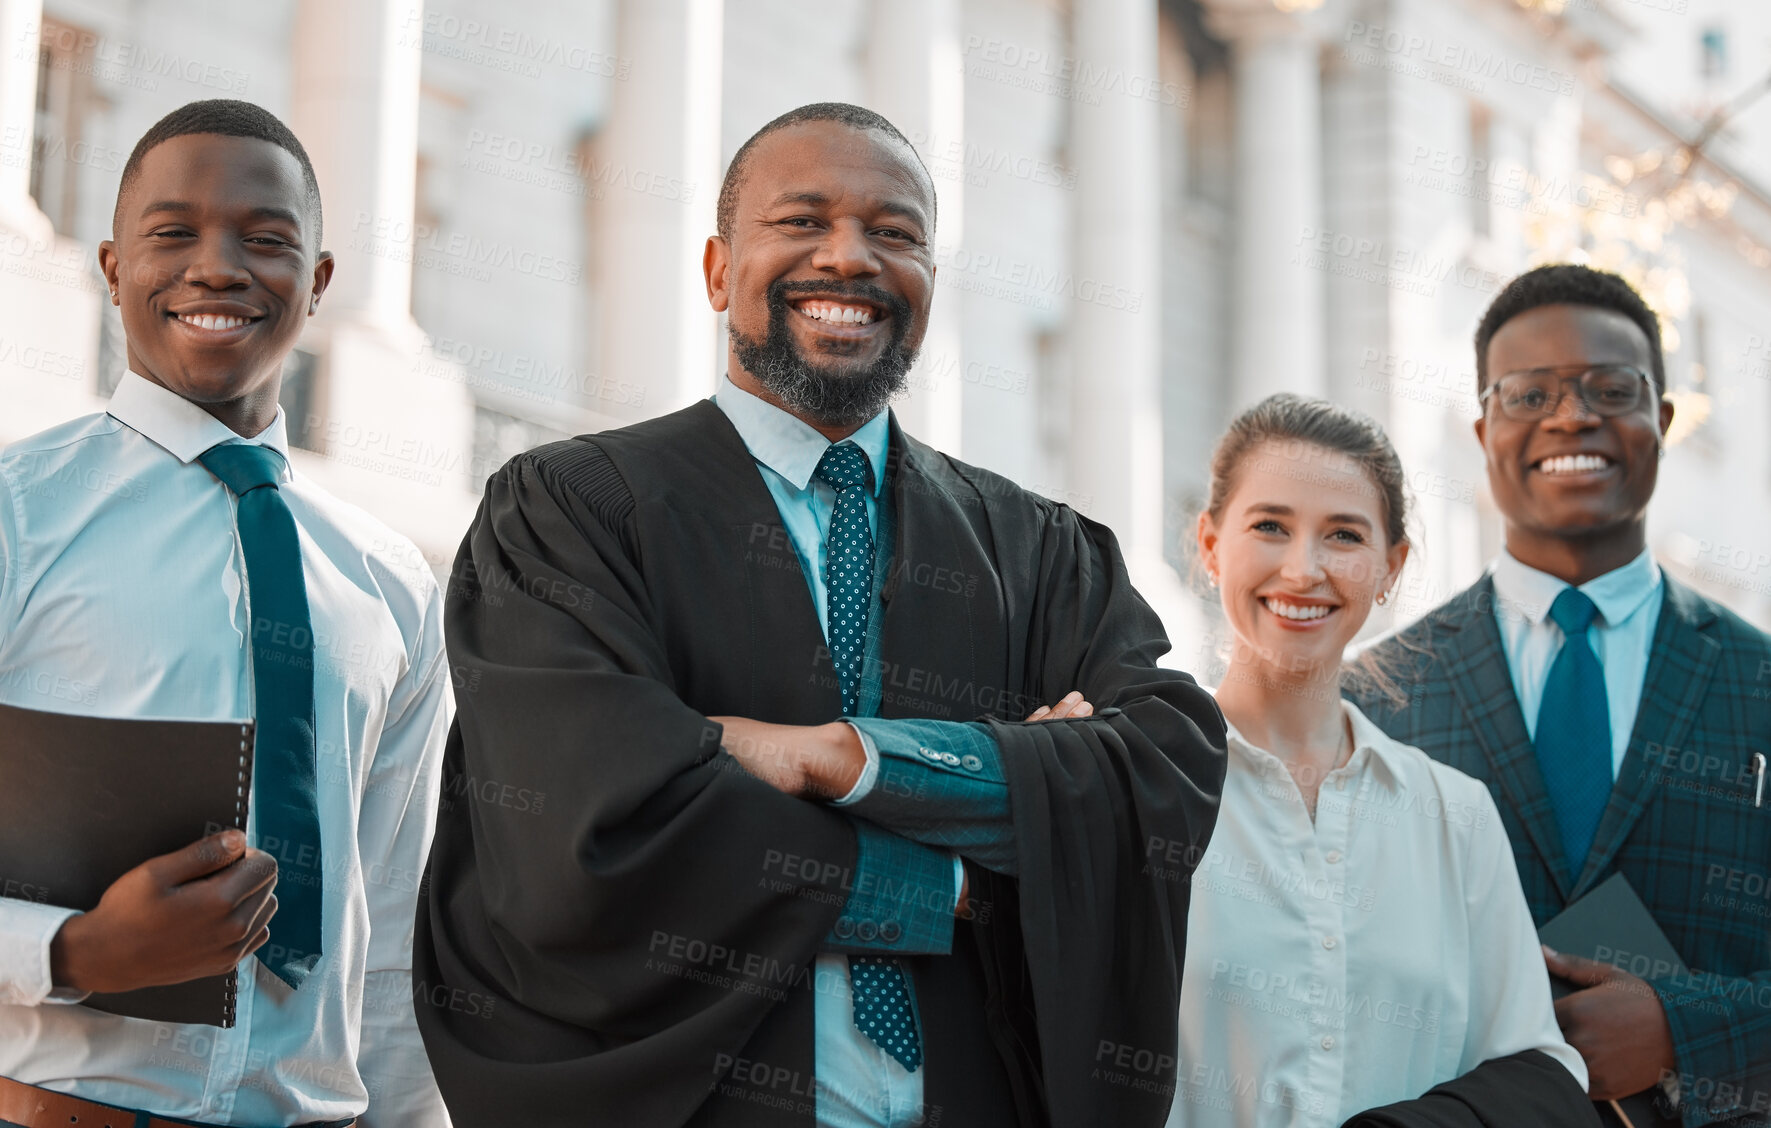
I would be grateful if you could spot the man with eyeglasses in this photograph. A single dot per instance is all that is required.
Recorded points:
(1614, 712)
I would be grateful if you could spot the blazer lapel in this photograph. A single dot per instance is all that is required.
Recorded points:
(1476, 667)
(1681, 660)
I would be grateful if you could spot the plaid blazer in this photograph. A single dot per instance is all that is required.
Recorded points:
(1681, 823)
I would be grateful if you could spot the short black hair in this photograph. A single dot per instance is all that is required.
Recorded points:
(1567, 283)
(229, 118)
(856, 117)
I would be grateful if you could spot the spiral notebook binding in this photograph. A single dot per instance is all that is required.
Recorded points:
(242, 792)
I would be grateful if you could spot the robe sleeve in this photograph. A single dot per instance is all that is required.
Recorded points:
(611, 905)
(1529, 1087)
(1094, 802)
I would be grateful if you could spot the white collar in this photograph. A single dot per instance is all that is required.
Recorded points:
(183, 428)
(789, 445)
(1370, 743)
(1524, 591)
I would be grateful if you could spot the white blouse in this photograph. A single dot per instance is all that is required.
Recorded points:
(1363, 959)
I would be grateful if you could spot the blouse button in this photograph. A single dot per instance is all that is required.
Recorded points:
(1328, 942)
(1332, 856)
(1328, 1041)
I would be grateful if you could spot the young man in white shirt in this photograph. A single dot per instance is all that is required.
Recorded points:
(139, 561)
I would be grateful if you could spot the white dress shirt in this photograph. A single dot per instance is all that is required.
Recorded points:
(122, 594)
(1360, 960)
(1628, 599)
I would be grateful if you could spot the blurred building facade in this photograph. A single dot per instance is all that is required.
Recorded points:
(1152, 213)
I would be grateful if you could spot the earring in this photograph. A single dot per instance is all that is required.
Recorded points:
(1212, 579)
(1383, 597)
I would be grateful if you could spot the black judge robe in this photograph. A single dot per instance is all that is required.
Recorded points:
(617, 926)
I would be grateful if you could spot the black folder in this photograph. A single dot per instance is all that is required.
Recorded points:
(83, 800)
(1611, 924)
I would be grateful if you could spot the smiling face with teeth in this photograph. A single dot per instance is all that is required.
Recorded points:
(213, 270)
(1573, 488)
(1300, 551)
(828, 273)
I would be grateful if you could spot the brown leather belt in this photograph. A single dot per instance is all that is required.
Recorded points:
(32, 1107)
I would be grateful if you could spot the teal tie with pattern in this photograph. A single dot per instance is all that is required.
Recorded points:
(883, 1009)
(283, 796)
(1573, 740)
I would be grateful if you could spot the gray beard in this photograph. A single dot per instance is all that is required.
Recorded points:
(831, 399)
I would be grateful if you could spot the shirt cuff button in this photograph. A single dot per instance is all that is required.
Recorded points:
(844, 928)
(867, 932)
(891, 932)
(971, 763)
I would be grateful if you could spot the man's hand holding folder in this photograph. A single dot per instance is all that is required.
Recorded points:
(193, 913)
(1616, 1022)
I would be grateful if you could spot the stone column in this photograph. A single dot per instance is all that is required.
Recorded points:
(394, 425)
(21, 23)
(663, 131)
(914, 79)
(1278, 341)
(49, 289)
(1115, 433)
(356, 65)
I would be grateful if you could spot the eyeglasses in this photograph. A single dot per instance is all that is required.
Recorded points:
(1608, 390)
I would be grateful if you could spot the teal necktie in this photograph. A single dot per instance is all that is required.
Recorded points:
(283, 798)
(881, 996)
(1573, 738)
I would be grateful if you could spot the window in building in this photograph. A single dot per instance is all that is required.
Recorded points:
(1700, 352)
(1481, 172)
(425, 218)
(113, 351)
(1693, 424)
(1714, 45)
(498, 437)
(299, 397)
(65, 98)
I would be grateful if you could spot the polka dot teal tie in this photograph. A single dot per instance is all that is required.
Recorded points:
(882, 1008)
(882, 1003)
(848, 566)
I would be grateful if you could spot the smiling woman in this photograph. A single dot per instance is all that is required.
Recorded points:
(215, 265)
(1304, 531)
(1352, 882)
